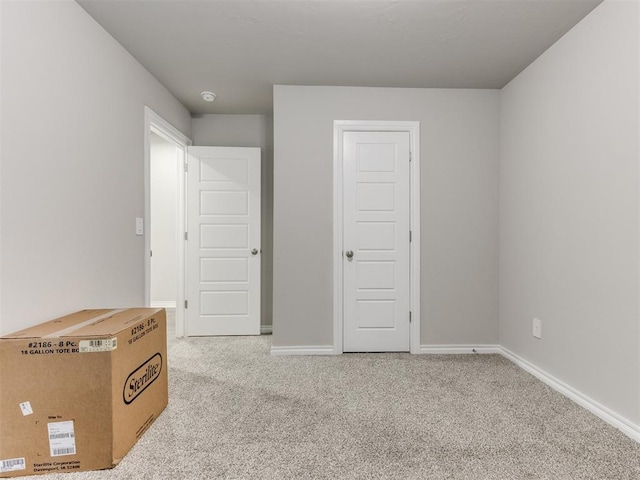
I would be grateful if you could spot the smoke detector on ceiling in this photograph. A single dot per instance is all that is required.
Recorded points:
(208, 96)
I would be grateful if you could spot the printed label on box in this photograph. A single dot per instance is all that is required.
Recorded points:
(25, 408)
(12, 465)
(141, 378)
(98, 345)
(62, 438)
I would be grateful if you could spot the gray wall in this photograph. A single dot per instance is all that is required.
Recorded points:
(248, 131)
(459, 210)
(72, 163)
(569, 209)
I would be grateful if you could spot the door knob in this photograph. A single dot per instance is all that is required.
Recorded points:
(254, 251)
(349, 253)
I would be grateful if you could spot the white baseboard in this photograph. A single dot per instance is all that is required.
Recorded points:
(612, 418)
(168, 304)
(429, 349)
(266, 329)
(303, 350)
(458, 349)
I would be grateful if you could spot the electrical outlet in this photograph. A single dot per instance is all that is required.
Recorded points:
(139, 226)
(537, 328)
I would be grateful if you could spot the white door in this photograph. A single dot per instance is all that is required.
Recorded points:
(223, 245)
(376, 282)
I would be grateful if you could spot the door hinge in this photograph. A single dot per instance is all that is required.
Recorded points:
(409, 316)
(410, 235)
(186, 235)
(186, 167)
(151, 253)
(186, 304)
(410, 158)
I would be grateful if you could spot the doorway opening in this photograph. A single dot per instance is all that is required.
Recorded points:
(163, 221)
(164, 181)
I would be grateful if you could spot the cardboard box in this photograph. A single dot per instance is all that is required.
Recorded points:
(77, 392)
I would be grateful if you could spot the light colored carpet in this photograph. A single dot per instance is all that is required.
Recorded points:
(237, 413)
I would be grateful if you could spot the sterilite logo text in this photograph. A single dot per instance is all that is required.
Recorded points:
(143, 376)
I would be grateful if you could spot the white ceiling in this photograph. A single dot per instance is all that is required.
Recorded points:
(240, 48)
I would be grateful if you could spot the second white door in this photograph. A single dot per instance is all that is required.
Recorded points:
(223, 246)
(376, 236)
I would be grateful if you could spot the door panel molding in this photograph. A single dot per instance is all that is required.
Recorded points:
(339, 128)
(223, 223)
(376, 189)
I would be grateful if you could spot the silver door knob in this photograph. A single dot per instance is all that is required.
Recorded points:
(254, 251)
(349, 253)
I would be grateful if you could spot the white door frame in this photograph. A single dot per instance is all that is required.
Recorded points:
(158, 125)
(413, 128)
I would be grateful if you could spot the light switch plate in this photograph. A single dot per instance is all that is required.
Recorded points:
(537, 328)
(139, 226)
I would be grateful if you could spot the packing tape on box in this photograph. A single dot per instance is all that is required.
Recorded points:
(73, 328)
